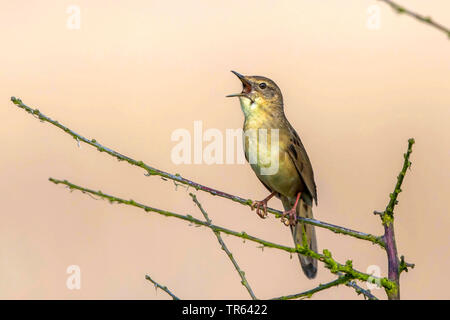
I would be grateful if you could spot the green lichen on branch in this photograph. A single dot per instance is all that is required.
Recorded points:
(395, 266)
(405, 265)
(387, 216)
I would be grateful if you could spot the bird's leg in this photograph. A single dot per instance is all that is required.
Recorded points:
(291, 213)
(263, 203)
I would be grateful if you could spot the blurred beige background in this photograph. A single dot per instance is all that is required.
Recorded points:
(136, 71)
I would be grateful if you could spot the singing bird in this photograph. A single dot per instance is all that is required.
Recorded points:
(292, 181)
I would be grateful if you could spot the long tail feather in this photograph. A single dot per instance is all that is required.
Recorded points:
(309, 265)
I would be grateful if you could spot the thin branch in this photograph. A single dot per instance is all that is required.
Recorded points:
(388, 214)
(309, 293)
(427, 20)
(387, 218)
(341, 280)
(366, 293)
(178, 178)
(225, 248)
(326, 258)
(164, 288)
(405, 265)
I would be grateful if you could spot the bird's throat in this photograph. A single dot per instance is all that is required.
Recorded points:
(248, 106)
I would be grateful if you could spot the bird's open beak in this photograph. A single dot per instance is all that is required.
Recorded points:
(246, 86)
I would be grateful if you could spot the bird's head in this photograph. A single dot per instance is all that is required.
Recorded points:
(258, 94)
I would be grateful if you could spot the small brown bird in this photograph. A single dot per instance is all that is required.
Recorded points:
(278, 157)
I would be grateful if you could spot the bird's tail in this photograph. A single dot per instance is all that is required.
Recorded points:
(304, 209)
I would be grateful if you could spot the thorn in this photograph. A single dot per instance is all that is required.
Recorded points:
(405, 265)
(179, 184)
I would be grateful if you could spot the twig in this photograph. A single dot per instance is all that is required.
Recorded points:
(366, 293)
(225, 248)
(405, 265)
(164, 288)
(427, 20)
(326, 258)
(387, 218)
(309, 293)
(341, 280)
(178, 178)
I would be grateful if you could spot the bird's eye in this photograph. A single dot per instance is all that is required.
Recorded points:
(262, 85)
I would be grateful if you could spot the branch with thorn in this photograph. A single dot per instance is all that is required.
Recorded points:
(241, 273)
(424, 19)
(163, 288)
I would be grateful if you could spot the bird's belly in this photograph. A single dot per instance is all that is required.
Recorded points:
(281, 177)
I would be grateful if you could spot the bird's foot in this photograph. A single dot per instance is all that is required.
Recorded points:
(257, 205)
(263, 203)
(291, 213)
(291, 220)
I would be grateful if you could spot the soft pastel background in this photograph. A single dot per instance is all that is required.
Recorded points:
(138, 70)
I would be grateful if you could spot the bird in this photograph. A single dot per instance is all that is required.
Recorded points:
(292, 179)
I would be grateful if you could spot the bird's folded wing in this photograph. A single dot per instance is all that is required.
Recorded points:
(298, 154)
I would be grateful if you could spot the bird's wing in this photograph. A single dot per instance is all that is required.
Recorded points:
(298, 154)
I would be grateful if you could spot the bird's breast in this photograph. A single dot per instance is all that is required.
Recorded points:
(264, 147)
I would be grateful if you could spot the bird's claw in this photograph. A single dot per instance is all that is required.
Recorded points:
(257, 205)
(291, 217)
